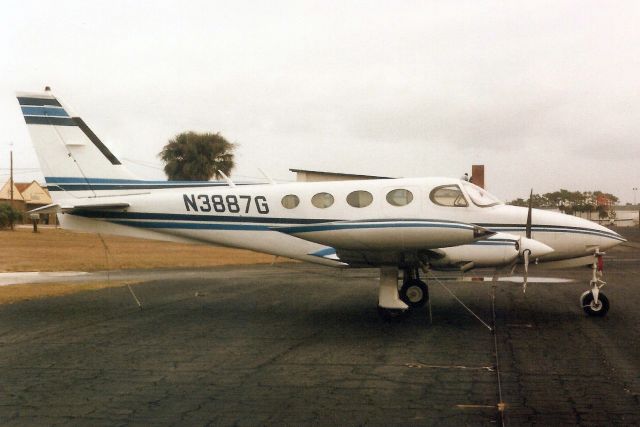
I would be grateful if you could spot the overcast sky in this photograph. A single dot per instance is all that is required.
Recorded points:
(545, 94)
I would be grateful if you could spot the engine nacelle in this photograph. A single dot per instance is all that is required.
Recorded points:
(499, 249)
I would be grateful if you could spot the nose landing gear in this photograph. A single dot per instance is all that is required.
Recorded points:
(594, 302)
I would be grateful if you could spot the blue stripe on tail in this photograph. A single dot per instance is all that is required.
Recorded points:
(44, 111)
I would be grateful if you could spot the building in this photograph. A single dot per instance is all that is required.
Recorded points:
(602, 200)
(5, 196)
(28, 196)
(313, 176)
(477, 175)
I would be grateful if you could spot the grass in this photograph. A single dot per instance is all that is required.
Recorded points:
(59, 250)
(54, 249)
(24, 292)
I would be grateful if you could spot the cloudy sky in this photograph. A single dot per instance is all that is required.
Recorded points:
(545, 94)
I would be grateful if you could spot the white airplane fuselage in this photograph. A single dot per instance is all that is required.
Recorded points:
(249, 216)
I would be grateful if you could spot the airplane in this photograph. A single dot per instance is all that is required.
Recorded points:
(401, 226)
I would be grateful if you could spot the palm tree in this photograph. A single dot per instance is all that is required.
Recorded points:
(192, 156)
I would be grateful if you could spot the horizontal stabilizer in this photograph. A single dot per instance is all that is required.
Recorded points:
(56, 208)
(48, 209)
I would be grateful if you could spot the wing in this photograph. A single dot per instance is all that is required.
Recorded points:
(385, 242)
(384, 235)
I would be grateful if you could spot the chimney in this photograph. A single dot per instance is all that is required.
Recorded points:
(477, 175)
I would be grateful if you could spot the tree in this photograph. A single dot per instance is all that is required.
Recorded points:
(602, 212)
(192, 156)
(567, 201)
(8, 214)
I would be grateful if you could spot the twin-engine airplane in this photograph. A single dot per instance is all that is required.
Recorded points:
(398, 225)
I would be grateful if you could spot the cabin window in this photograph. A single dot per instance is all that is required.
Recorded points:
(399, 197)
(290, 201)
(359, 199)
(479, 196)
(322, 200)
(448, 195)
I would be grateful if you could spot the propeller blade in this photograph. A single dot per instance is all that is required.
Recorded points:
(528, 227)
(525, 254)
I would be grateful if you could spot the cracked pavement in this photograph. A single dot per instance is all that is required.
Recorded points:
(294, 344)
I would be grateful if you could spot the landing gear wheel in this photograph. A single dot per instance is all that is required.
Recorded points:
(591, 308)
(389, 314)
(414, 293)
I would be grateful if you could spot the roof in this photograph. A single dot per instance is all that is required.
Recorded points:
(5, 192)
(340, 174)
(21, 186)
(30, 192)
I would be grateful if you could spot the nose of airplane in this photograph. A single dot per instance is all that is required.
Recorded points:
(536, 247)
(603, 237)
(607, 231)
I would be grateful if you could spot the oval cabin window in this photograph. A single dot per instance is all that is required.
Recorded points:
(322, 200)
(399, 197)
(290, 201)
(359, 199)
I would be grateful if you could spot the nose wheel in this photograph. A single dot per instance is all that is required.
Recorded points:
(592, 307)
(594, 302)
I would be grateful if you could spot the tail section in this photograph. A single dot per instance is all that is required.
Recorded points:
(72, 157)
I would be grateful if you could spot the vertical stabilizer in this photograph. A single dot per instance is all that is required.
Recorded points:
(67, 149)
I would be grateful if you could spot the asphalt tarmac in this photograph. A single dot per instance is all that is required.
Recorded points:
(294, 344)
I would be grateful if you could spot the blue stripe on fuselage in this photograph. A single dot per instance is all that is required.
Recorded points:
(132, 216)
(55, 183)
(81, 180)
(554, 229)
(192, 225)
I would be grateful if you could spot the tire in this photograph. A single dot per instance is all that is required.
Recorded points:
(414, 293)
(591, 309)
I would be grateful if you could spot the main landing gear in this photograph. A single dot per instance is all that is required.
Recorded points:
(392, 303)
(594, 302)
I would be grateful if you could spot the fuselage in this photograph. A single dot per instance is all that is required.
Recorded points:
(259, 217)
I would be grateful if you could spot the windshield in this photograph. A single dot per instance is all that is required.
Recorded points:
(480, 196)
(448, 195)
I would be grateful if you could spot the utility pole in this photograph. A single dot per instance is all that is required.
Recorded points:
(11, 186)
(635, 191)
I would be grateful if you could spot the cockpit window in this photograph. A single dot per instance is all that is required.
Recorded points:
(448, 195)
(480, 196)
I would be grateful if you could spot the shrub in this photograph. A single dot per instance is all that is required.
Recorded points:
(7, 213)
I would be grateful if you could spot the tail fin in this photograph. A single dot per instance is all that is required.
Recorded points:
(68, 151)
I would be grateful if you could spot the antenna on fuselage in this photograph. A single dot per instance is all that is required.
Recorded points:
(226, 178)
(269, 179)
